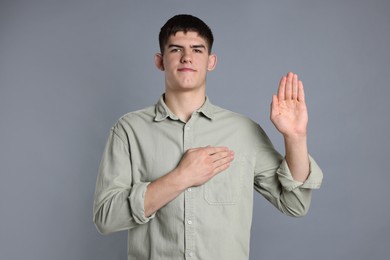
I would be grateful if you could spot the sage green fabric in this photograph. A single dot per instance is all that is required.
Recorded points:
(211, 221)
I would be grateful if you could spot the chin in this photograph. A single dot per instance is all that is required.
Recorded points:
(187, 85)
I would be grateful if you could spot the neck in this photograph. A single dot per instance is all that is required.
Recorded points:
(183, 104)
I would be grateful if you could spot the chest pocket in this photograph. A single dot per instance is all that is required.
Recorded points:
(225, 188)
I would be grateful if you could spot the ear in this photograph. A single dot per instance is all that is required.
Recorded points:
(158, 61)
(212, 63)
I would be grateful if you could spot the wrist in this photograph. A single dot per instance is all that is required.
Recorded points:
(295, 138)
(179, 180)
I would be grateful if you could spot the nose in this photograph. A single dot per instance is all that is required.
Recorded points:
(186, 57)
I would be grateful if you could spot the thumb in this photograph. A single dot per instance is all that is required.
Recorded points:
(274, 106)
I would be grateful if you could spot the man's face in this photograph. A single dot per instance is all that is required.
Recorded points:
(185, 62)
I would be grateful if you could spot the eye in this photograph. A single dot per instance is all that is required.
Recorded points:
(198, 51)
(173, 50)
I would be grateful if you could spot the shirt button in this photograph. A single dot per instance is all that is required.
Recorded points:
(191, 254)
(189, 189)
(189, 222)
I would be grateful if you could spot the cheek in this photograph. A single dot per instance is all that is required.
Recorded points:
(169, 62)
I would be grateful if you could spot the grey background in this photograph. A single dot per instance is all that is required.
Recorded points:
(70, 69)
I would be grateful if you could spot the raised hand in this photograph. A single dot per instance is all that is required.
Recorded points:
(288, 108)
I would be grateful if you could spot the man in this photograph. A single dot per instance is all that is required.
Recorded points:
(179, 176)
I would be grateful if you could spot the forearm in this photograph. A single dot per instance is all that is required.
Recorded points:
(161, 191)
(297, 157)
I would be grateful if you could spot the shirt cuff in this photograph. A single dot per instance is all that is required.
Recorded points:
(137, 202)
(313, 181)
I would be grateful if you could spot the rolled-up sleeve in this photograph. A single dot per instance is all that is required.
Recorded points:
(277, 185)
(118, 202)
(137, 198)
(313, 181)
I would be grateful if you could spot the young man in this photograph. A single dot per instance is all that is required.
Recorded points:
(179, 176)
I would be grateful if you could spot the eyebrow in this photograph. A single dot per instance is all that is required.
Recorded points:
(196, 46)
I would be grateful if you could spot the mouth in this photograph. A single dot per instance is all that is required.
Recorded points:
(186, 70)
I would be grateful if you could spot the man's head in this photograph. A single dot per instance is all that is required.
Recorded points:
(185, 23)
(185, 57)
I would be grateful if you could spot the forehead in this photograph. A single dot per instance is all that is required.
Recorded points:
(188, 38)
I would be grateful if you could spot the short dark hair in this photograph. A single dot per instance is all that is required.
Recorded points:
(185, 23)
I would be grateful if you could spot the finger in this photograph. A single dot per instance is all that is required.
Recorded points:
(295, 87)
(221, 156)
(301, 92)
(215, 149)
(289, 83)
(222, 165)
(282, 88)
(274, 106)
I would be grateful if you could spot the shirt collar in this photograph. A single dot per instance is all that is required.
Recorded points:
(162, 110)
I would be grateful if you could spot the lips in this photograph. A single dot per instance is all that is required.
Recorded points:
(186, 70)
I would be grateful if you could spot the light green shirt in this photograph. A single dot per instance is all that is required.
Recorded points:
(211, 221)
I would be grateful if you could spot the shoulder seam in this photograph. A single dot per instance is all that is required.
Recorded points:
(118, 135)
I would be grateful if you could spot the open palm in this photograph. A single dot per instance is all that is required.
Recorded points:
(288, 108)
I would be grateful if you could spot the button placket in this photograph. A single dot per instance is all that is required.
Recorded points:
(189, 204)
